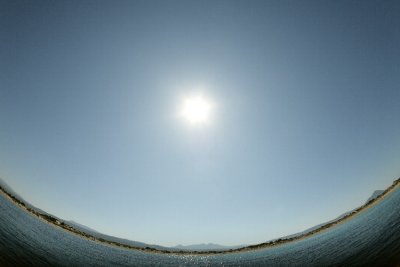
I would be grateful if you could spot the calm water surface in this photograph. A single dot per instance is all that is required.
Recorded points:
(370, 239)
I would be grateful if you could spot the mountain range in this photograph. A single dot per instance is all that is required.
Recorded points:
(193, 247)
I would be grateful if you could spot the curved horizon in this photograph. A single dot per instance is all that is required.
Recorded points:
(61, 223)
(177, 122)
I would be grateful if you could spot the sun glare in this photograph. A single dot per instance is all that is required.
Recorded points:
(196, 110)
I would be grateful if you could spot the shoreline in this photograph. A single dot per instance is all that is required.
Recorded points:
(269, 244)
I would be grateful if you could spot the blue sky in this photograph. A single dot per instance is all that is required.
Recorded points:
(305, 124)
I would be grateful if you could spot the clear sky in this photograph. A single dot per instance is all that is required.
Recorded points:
(304, 124)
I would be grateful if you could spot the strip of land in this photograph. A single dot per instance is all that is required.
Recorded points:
(61, 224)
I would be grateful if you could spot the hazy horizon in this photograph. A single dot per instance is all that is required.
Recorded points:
(301, 121)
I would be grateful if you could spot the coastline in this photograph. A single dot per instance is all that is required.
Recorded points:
(273, 243)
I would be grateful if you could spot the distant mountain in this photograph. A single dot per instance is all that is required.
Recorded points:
(209, 246)
(80, 227)
(198, 247)
(194, 247)
(15, 194)
(90, 231)
(373, 196)
(98, 235)
(376, 194)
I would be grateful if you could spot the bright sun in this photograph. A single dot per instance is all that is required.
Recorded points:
(196, 110)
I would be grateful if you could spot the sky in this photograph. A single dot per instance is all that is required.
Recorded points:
(304, 124)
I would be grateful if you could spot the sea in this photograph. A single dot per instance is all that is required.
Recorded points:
(371, 238)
